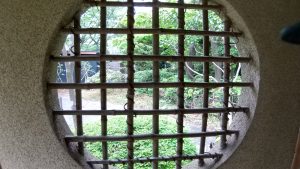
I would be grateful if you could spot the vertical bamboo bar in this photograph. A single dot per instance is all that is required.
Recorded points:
(103, 80)
(77, 70)
(206, 79)
(227, 26)
(130, 80)
(155, 118)
(180, 91)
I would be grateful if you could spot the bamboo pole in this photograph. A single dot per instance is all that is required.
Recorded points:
(146, 85)
(152, 112)
(130, 80)
(153, 4)
(103, 80)
(224, 122)
(206, 79)
(155, 117)
(227, 59)
(157, 159)
(147, 136)
(77, 69)
(149, 31)
(180, 90)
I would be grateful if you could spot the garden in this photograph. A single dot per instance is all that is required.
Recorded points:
(117, 72)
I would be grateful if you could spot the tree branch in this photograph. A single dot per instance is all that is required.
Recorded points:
(237, 73)
(199, 73)
(218, 67)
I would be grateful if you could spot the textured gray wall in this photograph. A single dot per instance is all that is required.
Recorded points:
(270, 141)
(27, 140)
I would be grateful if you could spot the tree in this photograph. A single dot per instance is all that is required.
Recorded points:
(117, 44)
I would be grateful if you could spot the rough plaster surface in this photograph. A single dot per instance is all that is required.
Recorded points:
(27, 140)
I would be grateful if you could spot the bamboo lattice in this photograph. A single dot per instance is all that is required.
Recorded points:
(206, 79)
(156, 85)
(155, 118)
(103, 80)
(77, 69)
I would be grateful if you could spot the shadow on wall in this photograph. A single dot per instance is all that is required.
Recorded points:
(291, 34)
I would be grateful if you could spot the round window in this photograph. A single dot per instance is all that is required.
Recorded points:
(149, 84)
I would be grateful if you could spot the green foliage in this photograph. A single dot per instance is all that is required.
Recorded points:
(112, 76)
(116, 17)
(216, 97)
(215, 21)
(120, 42)
(143, 20)
(90, 19)
(195, 16)
(141, 66)
(168, 45)
(143, 76)
(168, 74)
(143, 44)
(168, 18)
(143, 148)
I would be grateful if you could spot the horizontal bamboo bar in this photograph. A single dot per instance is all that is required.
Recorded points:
(152, 159)
(160, 31)
(147, 136)
(145, 85)
(151, 112)
(151, 58)
(153, 4)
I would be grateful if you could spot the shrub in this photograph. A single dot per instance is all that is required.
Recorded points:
(143, 148)
(112, 76)
(143, 76)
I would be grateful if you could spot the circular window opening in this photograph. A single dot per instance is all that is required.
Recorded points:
(150, 84)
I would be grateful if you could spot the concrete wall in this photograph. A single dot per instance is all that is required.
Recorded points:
(28, 141)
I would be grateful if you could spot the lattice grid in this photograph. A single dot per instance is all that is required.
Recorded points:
(130, 85)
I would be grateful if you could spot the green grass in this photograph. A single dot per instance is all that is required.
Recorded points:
(143, 148)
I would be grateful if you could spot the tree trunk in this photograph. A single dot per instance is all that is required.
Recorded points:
(189, 73)
(218, 72)
(70, 79)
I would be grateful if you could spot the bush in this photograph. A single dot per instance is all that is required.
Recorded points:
(112, 76)
(143, 148)
(143, 76)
